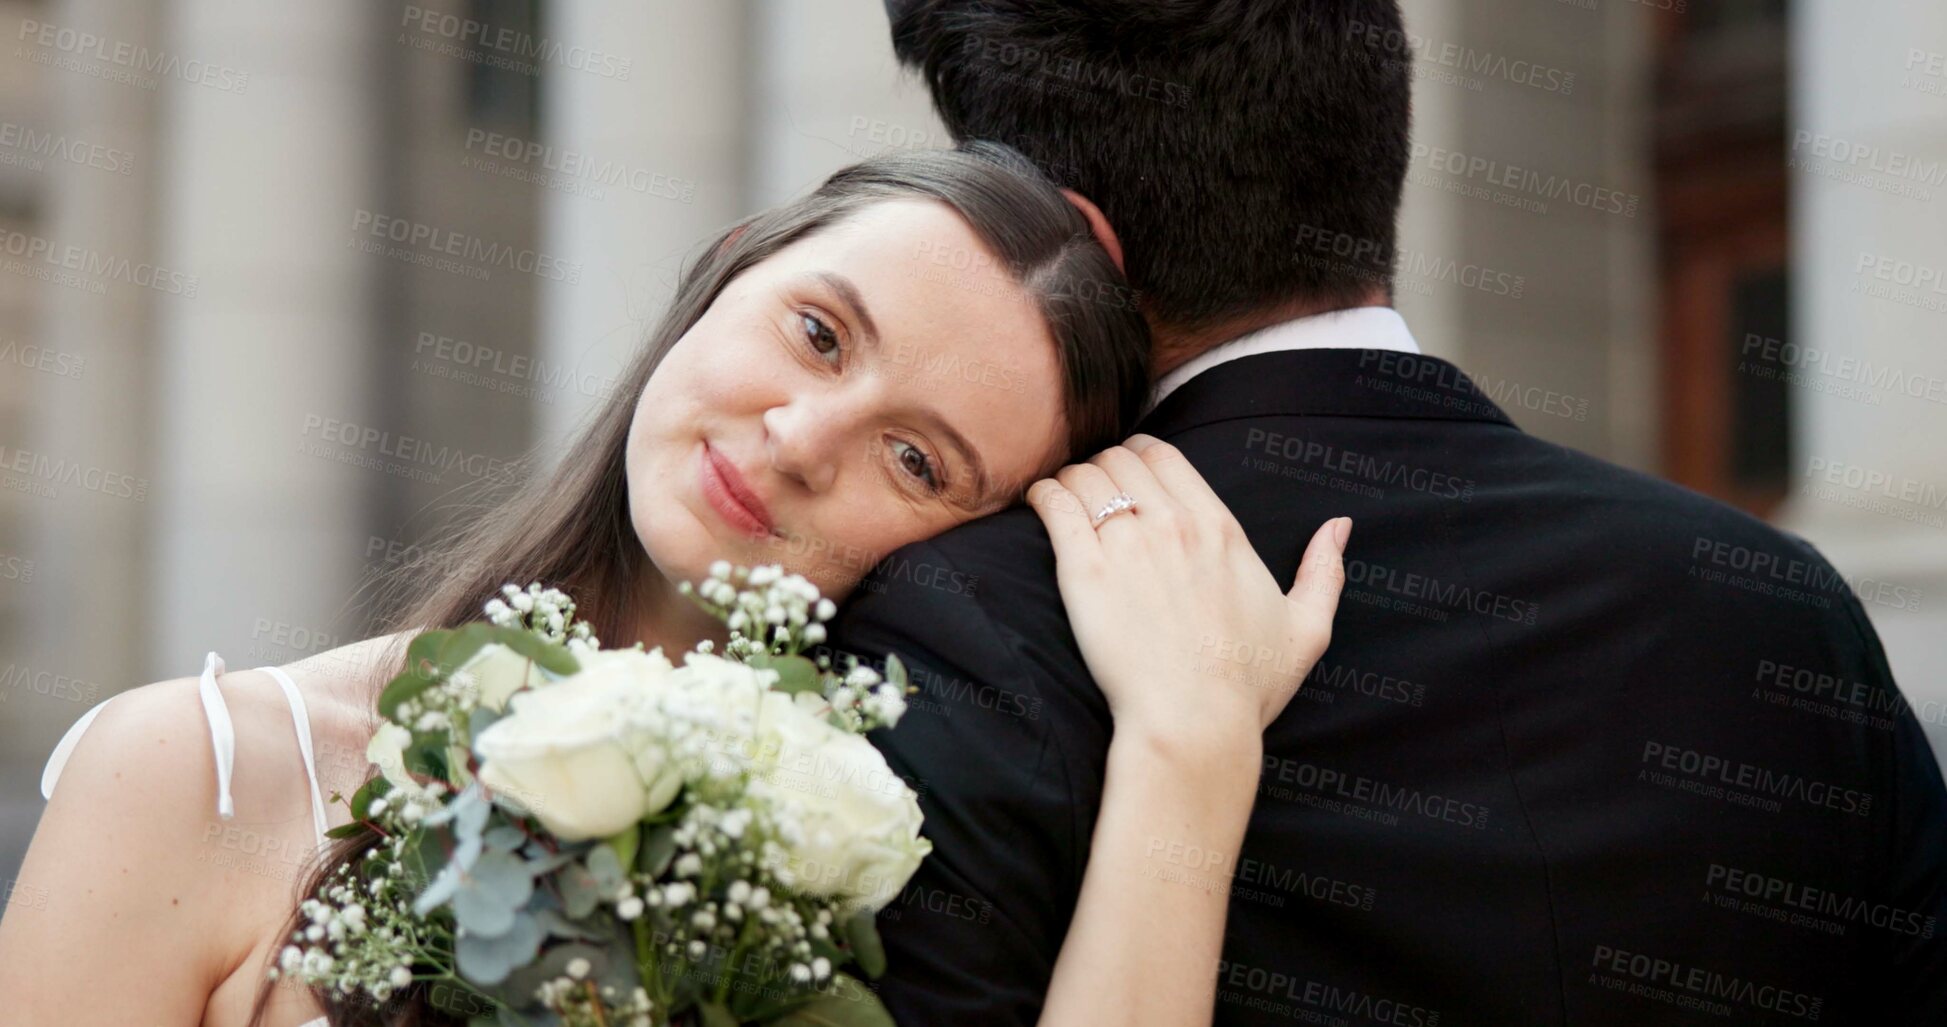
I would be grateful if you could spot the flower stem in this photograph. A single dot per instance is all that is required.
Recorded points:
(595, 1003)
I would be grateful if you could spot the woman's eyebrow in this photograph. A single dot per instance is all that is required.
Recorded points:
(849, 294)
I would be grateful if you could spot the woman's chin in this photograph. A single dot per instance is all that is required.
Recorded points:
(682, 548)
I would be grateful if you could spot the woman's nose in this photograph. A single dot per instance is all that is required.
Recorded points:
(805, 437)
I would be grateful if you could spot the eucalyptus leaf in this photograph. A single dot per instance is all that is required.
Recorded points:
(796, 674)
(444, 884)
(362, 799)
(464, 645)
(862, 933)
(421, 673)
(658, 850)
(467, 853)
(580, 893)
(623, 844)
(895, 671)
(545, 862)
(555, 659)
(561, 927)
(426, 756)
(489, 959)
(467, 811)
(491, 895)
(605, 868)
(424, 858)
(503, 838)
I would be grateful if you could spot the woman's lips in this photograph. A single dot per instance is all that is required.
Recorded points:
(730, 496)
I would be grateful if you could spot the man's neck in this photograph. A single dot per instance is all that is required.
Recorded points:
(1173, 347)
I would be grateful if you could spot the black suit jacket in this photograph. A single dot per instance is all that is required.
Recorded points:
(1587, 747)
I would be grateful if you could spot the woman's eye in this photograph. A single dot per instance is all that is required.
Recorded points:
(914, 462)
(823, 340)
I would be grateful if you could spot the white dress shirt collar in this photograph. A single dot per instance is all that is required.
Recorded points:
(1352, 328)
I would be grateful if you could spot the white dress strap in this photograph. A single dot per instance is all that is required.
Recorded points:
(223, 738)
(223, 735)
(301, 720)
(223, 742)
(58, 759)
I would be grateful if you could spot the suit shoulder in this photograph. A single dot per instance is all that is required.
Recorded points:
(1649, 504)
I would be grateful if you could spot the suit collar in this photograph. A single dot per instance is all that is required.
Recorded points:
(1324, 383)
(1347, 328)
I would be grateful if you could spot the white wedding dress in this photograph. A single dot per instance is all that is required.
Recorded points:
(224, 740)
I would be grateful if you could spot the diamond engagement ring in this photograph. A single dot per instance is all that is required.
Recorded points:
(1122, 501)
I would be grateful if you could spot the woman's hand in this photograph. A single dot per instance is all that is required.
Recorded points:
(1183, 627)
(1198, 650)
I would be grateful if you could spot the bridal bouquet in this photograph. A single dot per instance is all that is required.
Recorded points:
(573, 836)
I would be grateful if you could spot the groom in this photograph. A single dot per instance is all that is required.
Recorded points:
(1555, 768)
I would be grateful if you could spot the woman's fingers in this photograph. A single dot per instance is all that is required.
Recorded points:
(1129, 475)
(1091, 486)
(1175, 473)
(1063, 515)
(1321, 576)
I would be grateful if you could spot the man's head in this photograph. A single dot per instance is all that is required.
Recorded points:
(1249, 154)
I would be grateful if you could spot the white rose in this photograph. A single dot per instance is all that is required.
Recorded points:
(582, 753)
(387, 749)
(859, 822)
(498, 672)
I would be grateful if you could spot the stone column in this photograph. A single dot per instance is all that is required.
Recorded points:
(89, 620)
(1869, 320)
(257, 541)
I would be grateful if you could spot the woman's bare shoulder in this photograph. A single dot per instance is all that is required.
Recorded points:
(117, 848)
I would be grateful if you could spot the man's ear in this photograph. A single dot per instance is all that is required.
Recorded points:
(1097, 224)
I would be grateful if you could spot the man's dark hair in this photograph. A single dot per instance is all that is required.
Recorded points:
(1248, 153)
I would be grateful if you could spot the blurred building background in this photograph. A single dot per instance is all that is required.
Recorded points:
(240, 368)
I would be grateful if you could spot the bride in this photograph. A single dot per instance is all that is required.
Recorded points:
(905, 349)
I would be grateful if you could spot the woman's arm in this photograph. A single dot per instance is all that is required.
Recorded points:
(1197, 650)
(1149, 927)
(113, 918)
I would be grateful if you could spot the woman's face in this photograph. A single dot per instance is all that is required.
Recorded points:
(868, 386)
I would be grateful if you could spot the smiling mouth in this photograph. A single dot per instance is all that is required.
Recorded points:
(731, 497)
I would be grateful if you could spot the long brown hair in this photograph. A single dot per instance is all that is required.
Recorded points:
(571, 528)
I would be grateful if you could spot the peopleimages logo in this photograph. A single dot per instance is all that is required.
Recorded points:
(1697, 984)
(1704, 767)
(1397, 47)
(1527, 182)
(1360, 465)
(432, 239)
(1094, 75)
(1309, 1001)
(52, 146)
(1759, 570)
(1854, 369)
(1819, 901)
(506, 47)
(94, 264)
(1449, 594)
(136, 60)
